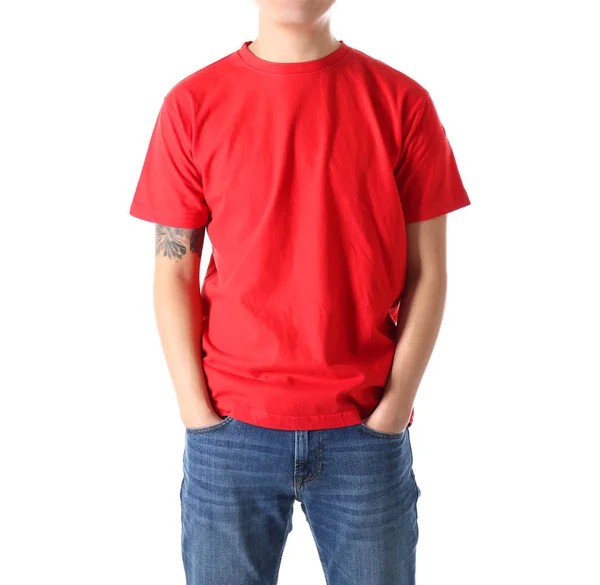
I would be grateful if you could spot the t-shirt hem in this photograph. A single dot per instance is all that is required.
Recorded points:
(171, 220)
(293, 422)
(444, 208)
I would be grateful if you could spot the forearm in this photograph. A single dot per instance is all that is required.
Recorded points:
(178, 311)
(419, 322)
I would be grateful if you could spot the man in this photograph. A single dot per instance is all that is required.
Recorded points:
(323, 177)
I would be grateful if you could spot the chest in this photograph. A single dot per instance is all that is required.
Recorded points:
(294, 140)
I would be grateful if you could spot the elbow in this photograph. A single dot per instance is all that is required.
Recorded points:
(434, 275)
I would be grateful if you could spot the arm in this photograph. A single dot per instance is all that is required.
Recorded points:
(419, 322)
(430, 187)
(178, 311)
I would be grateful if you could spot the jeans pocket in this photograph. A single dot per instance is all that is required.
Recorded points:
(210, 428)
(381, 434)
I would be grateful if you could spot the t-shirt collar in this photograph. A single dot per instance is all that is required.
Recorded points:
(292, 68)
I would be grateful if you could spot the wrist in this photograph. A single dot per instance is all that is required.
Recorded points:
(395, 406)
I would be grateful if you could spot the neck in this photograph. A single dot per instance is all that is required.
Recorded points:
(293, 43)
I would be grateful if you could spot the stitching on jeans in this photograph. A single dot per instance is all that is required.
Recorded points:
(296, 468)
(371, 431)
(319, 461)
(412, 473)
(194, 431)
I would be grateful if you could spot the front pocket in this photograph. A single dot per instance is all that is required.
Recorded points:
(198, 431)
(375, 433)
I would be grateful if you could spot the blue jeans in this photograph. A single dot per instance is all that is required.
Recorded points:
(356, 487)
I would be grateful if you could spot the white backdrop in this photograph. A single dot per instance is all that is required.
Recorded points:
(505, 436)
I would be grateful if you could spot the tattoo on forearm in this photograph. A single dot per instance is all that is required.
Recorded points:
(195, 242)
(175, 242)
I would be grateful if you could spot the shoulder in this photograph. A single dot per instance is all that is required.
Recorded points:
(193, 88)
(405, 90)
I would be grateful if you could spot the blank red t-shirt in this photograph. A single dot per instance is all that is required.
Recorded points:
(304, 175)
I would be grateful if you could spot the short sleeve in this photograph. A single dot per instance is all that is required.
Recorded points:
(169, 191)
(427, 176)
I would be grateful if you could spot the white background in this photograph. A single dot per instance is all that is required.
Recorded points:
(505, 437)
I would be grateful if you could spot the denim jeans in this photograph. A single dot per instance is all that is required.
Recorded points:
(356, 487)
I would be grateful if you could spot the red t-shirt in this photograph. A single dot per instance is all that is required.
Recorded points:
(304, 175)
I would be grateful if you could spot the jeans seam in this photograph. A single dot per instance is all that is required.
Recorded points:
(412, 473)
(319, 461)
(287, 526)
(317, 545)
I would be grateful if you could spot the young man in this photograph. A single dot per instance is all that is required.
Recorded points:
(323, 177)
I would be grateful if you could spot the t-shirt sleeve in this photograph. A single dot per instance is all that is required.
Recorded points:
(427, 176)
(169, 191)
